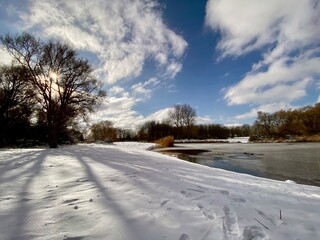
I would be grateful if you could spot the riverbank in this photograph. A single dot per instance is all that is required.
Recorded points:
(122, 191)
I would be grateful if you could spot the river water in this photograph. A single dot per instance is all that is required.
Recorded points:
(299, 162)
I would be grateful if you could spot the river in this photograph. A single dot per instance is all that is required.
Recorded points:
(299, 162)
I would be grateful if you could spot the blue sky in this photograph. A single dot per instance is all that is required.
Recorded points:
(228, 59)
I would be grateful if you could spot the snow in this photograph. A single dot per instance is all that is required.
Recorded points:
(228, 140)
(122, 191)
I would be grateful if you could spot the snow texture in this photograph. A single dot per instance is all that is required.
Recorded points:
(122, 191)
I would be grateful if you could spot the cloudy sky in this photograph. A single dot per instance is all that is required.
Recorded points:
(228, 59)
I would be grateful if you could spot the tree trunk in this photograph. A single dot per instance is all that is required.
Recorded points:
(53, 135)
(2, 138)
(3, 135)
(52, 126)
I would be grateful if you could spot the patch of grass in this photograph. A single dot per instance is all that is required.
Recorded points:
(313, 138)
(166, 142)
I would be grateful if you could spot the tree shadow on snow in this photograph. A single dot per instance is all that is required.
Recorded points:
(20, 191)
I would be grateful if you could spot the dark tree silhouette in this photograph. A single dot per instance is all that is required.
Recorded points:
(152, 130)
(16, 101)
(65, 85)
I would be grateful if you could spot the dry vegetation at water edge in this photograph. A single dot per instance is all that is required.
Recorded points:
(166, 142)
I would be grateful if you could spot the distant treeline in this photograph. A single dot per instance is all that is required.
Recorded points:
(180, 123)
(304, 121)
(153, 130)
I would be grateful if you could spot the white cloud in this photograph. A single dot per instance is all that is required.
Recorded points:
(288, 30)
(230, 125)
(172, 69)
(159, 116)
(5, 58)
(139, 89)
(161, 58)
(143, 90)
(204, 120)
(152, 82)
(276, 83)
(272, 107)
(123, 34)
(119, 104)
(119, 111)
(116, 90)
(249, 24)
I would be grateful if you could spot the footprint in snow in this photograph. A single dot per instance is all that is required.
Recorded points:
(239, 200)
(183, 192)
(186, 194)
(203, 188)
(270, 218)
(230, 223)
(70, 201)
(184, 237)
(207, 212)
(195, 190)
(164, 203)
(225, 192)
(26, 199)
(82, 180)
(253, 232)
(73, 238)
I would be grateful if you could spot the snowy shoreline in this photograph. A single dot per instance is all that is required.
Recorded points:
(122, 191)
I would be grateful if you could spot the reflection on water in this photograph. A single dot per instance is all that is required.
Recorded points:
(299, 162)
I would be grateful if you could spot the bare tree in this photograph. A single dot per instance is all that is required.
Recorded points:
(188, 115)
(103, 131)
(175, 116)
(65, 85)
(183, 116)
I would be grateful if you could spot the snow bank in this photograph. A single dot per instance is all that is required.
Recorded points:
(122, 191)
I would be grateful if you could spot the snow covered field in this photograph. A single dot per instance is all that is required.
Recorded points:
(122, 191)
